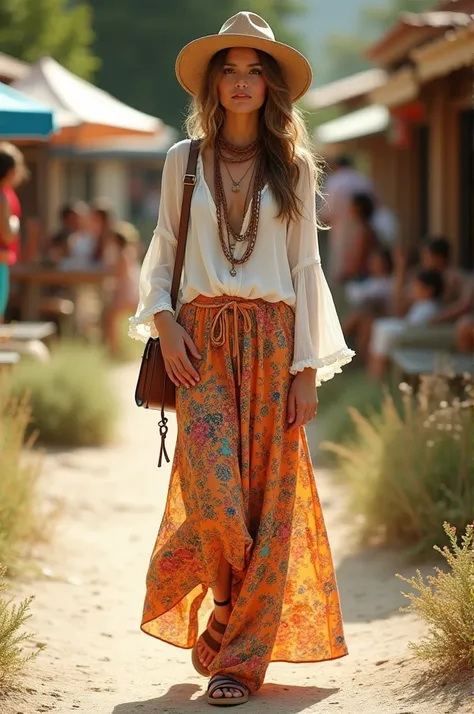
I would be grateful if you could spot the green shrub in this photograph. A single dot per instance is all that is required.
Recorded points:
(71, 397)
(12, 620)
(446, 604)
(19, 473)
(353, 389)
(409, 471)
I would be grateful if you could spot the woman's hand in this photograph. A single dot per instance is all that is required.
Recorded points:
(174, 340)
(302, 399)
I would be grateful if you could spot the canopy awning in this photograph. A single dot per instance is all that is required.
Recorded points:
(363, 122)
(22, 117)
(79, 103)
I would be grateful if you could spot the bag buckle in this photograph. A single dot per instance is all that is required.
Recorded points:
(189, 179)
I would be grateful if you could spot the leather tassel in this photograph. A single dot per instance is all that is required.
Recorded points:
(163, 425)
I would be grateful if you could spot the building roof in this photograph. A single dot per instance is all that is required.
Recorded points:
(413, 29)
(22, 117)
(363, 122)
(77, 102)
(345, 89)
(436, 19)
(11, 69)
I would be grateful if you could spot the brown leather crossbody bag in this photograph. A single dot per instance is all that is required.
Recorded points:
(154, 388)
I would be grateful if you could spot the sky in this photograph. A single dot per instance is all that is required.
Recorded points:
(324, 17)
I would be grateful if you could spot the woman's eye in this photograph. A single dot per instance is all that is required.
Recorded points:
(228, 70)
(256, 71)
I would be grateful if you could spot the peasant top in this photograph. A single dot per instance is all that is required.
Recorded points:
(284, 266)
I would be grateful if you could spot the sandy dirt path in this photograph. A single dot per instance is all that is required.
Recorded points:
(88, 611)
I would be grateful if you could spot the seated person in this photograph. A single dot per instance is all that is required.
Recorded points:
(378, 286)
(370, 298)
(464, 337)
(72, 218)
(435, 255)
(428, 289)
(462, 313)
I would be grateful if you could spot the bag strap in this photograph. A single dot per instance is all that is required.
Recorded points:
(189, 181)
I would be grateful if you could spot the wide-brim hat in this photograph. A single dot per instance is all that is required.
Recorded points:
(243, 30)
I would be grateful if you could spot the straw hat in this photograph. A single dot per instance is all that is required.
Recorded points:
(242, 30)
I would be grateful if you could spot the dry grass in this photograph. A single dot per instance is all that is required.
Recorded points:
(12, 636)
(446, 603)
(408, 471)
(21, 522)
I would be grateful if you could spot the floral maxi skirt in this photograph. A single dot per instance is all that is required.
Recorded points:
(242, 488)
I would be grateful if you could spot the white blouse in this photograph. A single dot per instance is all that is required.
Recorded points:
(284, 266)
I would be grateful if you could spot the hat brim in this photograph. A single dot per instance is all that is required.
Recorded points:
(192, 61)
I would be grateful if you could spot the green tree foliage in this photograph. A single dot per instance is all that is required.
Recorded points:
(138, 47)
(345, 54)
(346, 51)
(30, 29)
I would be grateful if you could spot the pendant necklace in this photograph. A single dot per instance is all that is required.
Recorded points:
(228, 237)
(236, 184)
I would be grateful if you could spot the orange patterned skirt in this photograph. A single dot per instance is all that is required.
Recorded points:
(242, 487)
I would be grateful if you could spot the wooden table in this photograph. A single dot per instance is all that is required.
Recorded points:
(34, 276)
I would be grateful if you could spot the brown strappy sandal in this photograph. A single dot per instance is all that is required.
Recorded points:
(222, 681)
(213, 645)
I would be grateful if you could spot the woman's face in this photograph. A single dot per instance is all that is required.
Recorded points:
(242, 87)
(96, 223)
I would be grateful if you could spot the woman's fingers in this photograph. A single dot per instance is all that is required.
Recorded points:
(300, 416)
(174, 376)
(304, 413)
(183, 370)
(291, 408)
(192, 347)
(187, 370)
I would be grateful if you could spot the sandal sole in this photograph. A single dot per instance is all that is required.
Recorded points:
(197, 664)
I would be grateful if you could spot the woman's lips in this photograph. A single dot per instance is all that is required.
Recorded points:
(241, 96)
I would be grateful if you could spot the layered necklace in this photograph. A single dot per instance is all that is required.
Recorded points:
(228, 153)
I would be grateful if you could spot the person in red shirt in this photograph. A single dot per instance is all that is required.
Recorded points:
(12, 172)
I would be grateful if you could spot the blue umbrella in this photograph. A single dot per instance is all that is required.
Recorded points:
(22, 117)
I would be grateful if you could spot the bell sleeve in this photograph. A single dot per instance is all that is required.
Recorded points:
(319, 342)
(157, 269)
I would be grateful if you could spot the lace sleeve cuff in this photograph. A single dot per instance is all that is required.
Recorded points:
(142, 326)
(326, 367)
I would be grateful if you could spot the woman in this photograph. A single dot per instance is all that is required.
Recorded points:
(257, 320)
(12, 172)
(356, 260)
(124, 295)
(102, 219)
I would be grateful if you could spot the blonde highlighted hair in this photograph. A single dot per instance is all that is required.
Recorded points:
(287, 147)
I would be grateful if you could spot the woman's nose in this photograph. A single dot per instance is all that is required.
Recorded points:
(241, 82)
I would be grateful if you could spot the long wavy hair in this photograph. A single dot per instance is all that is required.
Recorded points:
(283, 131)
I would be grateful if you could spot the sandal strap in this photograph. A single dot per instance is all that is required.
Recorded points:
(220, 681)
(211, 642)
(223, 604)
(218, 626)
